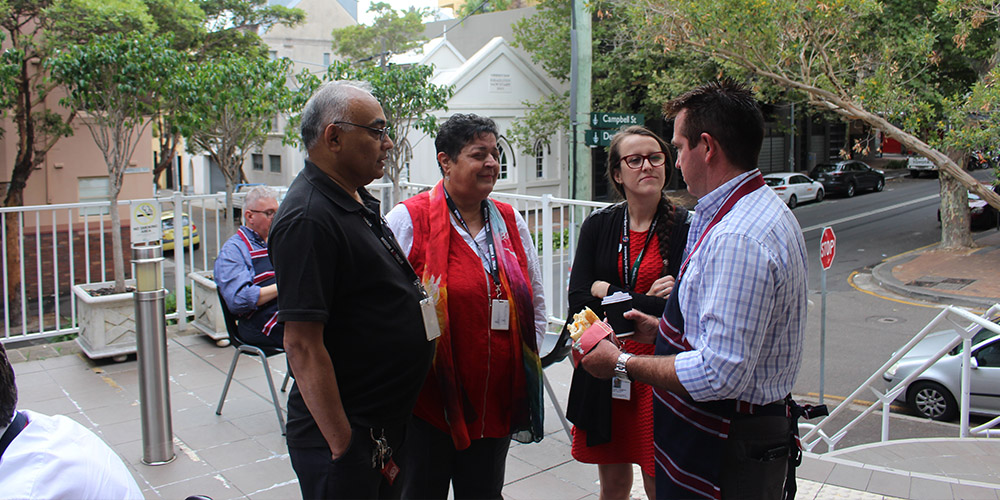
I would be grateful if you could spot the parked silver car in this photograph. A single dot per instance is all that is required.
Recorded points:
(918, 165)
(932, 394)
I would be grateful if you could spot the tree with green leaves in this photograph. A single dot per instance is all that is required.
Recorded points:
(392, 32)
(113, 79)
(625, 69)
(473, 7)
(207, 29)
(232, 104)
(408, 99)
(865, 60)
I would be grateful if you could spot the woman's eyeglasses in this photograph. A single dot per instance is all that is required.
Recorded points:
(657, 159)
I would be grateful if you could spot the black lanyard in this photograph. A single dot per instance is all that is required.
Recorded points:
(630, 270)
(393, 247)
(494, 267)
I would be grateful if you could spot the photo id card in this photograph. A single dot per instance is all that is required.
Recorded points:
(500, 315)
(621, 389)
(430, 315)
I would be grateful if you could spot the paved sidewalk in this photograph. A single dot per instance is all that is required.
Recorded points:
(968, 277)
(241, 454)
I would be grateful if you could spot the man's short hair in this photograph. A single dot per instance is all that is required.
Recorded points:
(727, 111)
(459, 130)
(8, 390)
(258, 193)
(328, 104)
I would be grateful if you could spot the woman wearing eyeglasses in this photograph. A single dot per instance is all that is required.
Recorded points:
(476, 258)
(634, 246)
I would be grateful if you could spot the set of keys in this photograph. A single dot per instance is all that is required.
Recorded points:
(382, 457)
(381, 451)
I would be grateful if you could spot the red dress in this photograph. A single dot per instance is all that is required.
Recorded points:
(632, 420)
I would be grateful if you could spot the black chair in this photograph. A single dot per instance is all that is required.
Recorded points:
(250, 350)
(555, 351)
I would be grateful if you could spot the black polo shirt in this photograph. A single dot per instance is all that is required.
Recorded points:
(332, 268)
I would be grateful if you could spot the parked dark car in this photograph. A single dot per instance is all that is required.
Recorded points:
(848, 176)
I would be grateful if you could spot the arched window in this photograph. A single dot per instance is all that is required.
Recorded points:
(504, 171)
(539, 160)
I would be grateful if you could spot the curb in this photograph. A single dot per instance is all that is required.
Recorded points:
(882, 273)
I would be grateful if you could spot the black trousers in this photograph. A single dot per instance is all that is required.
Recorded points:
(351, 475)
(429, 462)
(756, 458)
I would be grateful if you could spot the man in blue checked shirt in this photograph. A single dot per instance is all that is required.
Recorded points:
(245, 276)
(729, 343)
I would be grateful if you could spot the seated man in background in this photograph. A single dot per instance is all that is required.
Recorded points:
(245, 276)
(54, 457)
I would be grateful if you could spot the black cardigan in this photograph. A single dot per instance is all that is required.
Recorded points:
(597, 257)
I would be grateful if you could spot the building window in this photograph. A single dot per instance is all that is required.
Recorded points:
(326, 59)
(258, 162)
(275, 163)
(273, 54)
(539, 160)
(503, 163)
(90, 189)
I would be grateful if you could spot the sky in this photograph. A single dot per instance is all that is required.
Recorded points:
(364, 17)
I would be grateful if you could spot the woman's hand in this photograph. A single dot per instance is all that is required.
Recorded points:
(599, 288)
(662, 287)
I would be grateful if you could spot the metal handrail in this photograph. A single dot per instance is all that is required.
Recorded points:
(818, 433)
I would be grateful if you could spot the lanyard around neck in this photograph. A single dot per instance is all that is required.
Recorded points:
(630, 270)
(491, 257)
(392, 246)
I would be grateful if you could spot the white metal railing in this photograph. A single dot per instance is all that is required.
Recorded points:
(54, 247)
(967, 326)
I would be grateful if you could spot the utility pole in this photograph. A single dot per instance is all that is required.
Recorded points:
(579, 106)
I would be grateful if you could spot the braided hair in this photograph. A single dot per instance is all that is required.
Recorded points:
(666, 209)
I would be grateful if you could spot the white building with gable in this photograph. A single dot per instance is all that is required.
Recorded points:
(495, 82)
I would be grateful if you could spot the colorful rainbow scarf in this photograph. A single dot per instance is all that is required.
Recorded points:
(528, 411)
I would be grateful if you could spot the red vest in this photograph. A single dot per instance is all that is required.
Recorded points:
(488, 365)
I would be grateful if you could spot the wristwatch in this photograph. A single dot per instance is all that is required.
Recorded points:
(620, 370)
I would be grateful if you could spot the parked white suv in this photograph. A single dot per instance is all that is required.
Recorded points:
(918, 165)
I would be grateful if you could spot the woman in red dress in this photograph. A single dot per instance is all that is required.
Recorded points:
(634, 246)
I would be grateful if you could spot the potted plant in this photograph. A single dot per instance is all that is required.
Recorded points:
(207, 311)
(113, 81)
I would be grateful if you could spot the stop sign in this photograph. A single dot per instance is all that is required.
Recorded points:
(827, 247)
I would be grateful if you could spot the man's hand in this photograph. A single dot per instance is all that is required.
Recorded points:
(600, 361)
(661, 287)
(646, 326)
(343, 444)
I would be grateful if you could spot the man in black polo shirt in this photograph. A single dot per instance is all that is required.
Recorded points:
(351, 304)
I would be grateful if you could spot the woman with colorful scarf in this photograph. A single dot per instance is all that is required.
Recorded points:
(477, 261)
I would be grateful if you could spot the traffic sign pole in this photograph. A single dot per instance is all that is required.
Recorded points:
(827, 250)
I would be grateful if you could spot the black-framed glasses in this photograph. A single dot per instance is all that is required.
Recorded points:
(657, 159)
(266, 213)
(382, 132)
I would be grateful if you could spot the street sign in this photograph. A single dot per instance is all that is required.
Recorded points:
(598, 137)
(616, 120)
(145, 221)
(827, 247)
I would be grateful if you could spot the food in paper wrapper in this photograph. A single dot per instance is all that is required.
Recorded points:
(581, 321)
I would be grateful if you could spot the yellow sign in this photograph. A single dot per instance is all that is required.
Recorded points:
(145, 221)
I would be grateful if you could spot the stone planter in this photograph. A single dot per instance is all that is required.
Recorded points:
(207, 311)
(107, 322)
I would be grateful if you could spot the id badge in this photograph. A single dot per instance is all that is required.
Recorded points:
(500, 315)
(430, 315)
(621, 389)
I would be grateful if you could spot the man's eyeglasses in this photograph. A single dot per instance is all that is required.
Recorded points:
(657, 159)
(382, 132)
(265, 213)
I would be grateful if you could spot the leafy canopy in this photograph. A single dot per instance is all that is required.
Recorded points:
(392, 31)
